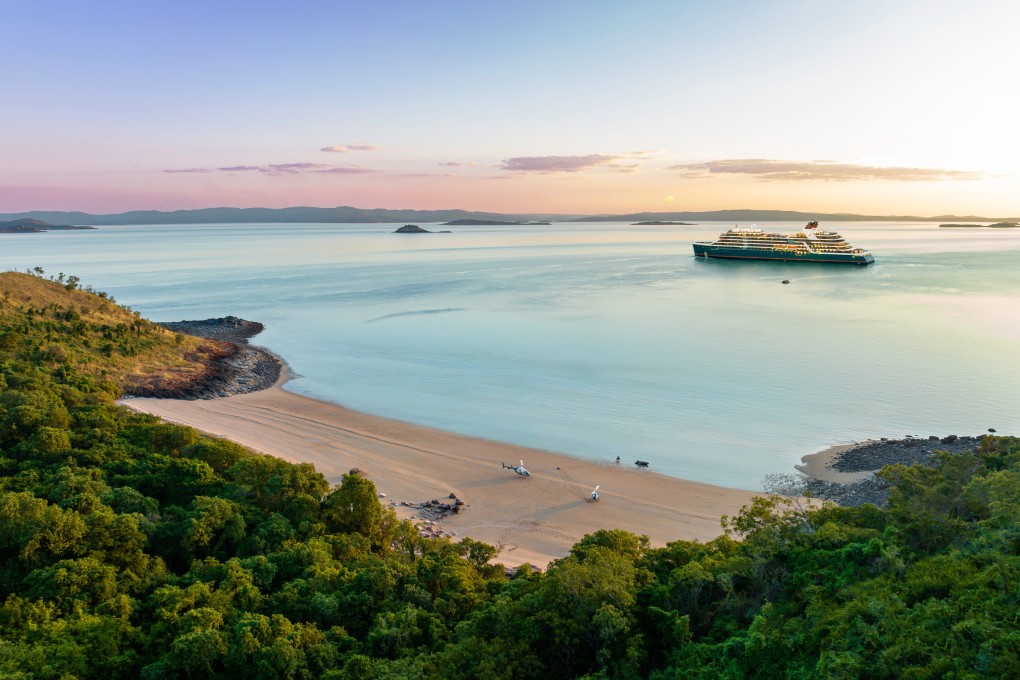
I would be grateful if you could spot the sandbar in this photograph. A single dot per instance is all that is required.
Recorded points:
(534, 520)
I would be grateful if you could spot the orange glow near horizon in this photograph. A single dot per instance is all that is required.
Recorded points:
(608, 193)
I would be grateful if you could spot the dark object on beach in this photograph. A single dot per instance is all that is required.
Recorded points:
(991, 429)
(355, 471)
(617, 460)
(412, 229)
(786, 280)
(641, 463)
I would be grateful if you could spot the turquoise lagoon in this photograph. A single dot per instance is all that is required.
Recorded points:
(598, 340)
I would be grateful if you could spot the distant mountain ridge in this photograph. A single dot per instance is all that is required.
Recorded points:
(302, 214)
(775, 216)
(351, 215)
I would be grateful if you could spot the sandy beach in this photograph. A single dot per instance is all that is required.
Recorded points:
(819, 465)
(532, 520)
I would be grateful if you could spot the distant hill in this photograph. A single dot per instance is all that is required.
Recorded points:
(997, 225)
(350, 215)
(776, 216)
(490, 223)
(32, 226)
(339, 215)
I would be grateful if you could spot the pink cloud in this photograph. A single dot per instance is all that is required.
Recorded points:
(278, 169)
(347, 148)
(550, 164)
(818, 171)
(346, 170)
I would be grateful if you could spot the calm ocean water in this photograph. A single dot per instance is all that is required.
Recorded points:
(600, 340)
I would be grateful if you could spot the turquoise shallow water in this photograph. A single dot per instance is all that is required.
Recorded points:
(600, 340)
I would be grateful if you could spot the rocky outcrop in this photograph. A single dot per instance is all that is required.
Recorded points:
(909, 451)
(242, 369)
(412, 229)
(873, 456)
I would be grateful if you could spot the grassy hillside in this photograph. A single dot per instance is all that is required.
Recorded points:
(55, 323)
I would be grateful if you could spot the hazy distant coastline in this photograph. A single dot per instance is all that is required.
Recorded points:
(492, 223)
(350, 215)
(33, 226)
(997, 225)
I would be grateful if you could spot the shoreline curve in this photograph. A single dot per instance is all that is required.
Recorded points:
(532, 520)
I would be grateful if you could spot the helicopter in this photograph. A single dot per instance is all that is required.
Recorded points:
(595, 493)
(519, 469)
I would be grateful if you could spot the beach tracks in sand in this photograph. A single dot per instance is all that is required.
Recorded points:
(532, 519)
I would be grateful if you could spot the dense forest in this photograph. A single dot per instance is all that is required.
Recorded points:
(130, 547)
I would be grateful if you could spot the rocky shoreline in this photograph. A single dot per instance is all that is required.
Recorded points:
(871, 456)
(244, 369)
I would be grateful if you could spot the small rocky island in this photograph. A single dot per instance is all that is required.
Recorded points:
(415, 229)
(997, 225)
(30, 226)
(658, 223)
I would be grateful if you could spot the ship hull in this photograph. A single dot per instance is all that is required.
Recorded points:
(731, 253)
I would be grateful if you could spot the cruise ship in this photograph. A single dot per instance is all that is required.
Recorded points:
(810, 245)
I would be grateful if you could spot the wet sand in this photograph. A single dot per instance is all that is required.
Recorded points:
(532, 520)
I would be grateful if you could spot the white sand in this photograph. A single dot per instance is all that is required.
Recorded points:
(531, 520)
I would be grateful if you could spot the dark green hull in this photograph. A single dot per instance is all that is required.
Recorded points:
(731, 253)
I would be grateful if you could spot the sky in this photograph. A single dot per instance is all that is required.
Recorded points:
(874, 107)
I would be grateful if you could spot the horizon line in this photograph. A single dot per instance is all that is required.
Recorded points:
(573, 215)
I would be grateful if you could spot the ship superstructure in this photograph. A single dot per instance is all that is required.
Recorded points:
(809, 245)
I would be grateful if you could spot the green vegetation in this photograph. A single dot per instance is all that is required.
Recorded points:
(130, 547)
(55, 322)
